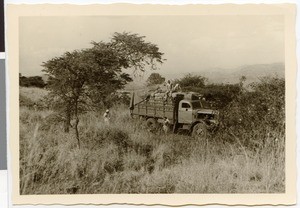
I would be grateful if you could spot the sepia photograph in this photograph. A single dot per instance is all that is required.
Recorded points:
(152, 104)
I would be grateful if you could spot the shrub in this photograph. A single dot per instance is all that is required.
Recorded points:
(35, 81)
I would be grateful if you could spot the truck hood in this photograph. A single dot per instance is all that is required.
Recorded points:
(207, 111)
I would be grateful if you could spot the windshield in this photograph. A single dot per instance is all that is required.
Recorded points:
(197, 104)
(205, 104)
(200, 104)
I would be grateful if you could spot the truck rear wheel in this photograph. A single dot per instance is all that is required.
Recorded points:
(152, 124)
(199, 131)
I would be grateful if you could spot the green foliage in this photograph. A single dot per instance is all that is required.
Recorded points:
(155, 78)
(35, 81)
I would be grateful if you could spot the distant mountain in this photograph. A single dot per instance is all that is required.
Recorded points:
(254, 72)
(225, 75)
(216, 75)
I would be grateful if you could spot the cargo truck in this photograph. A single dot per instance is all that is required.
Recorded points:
(185, 111)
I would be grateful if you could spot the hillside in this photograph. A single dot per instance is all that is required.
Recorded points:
(251, 72)
(226, 75)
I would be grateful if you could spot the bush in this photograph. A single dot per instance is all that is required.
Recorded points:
(257, 112)
(25, 101)
(35, 81)
(220, 95)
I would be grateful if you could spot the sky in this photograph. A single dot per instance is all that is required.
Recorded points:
(189, 43)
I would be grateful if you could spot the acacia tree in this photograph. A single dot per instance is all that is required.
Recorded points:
(155, 78)
(82, 78)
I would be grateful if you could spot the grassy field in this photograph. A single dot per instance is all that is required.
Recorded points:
(125, 158)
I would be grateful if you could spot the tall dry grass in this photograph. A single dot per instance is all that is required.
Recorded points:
(124, 157)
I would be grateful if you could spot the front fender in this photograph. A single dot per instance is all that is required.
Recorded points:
(194, 123)
(211, 126)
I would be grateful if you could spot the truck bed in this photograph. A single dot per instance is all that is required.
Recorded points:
(155, 108)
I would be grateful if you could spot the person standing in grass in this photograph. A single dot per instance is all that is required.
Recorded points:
(166, 125)
(106, 116)
(35, 107)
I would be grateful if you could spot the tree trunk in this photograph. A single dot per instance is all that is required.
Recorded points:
(76, 123)
(68, 120)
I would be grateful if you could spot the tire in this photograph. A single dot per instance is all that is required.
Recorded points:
(152, 124)
(200, 131)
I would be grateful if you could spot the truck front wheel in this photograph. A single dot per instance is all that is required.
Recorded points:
(199, 131)
(152, 124)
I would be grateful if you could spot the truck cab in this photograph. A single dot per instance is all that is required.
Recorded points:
(191, 112)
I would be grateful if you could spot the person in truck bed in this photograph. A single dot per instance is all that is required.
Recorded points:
(176, 88)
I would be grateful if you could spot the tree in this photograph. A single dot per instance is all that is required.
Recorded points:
(155, 78)
(85, 78)
(190, 82)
